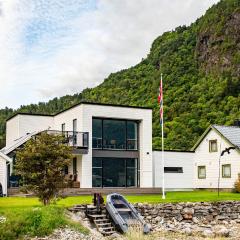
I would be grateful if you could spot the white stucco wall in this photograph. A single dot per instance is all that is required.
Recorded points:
(12, 130)
(21, 124)
(203, 157)
(174, 159)
(3, 174)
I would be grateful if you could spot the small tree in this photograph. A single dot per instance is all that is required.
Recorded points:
(41, 162)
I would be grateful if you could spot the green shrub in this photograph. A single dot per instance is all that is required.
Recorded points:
(40, 221)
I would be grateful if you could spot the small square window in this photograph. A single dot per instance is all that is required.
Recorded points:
(213, 146)
(201, 172)
(226, 171)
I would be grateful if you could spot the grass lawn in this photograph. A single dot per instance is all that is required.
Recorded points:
(28, 216)
(195, 196)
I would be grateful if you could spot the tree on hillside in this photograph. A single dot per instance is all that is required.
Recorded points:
(41, 162)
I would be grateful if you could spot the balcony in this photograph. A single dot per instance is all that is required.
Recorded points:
(78, 140)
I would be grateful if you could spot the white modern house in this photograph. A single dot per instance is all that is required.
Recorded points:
(112, 149)
(112, 144)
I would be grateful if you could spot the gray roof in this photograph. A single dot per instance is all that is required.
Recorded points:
(231, 133)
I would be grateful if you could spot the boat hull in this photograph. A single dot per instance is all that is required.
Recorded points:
(124, 214)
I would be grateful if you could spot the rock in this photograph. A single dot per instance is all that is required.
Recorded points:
(195, 220)
(187, 216)
(187, 231)
(222, 231)
(207, 233)
(149, 217)
(189, 211)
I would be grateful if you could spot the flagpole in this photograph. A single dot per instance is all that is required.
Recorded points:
(163, 179)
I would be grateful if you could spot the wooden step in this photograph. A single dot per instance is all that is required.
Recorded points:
(104, 224)
(101, 220)
(97, 216)
(108, 233)
(106, 229)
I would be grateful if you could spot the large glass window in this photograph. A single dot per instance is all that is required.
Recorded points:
(132, 131)
(115, 172)
(97, 133)
(97, 172)
(74, 131)
(132, 172)
(114, 134)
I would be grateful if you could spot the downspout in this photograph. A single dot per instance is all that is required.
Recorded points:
(6, 183)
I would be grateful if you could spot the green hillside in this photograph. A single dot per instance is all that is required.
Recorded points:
(201, 74)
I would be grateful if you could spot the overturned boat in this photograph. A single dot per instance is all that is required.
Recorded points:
(124, 214)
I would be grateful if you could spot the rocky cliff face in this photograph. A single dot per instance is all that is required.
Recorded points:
(218, 43)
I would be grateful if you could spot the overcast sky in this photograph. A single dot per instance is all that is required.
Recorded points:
(50, 48)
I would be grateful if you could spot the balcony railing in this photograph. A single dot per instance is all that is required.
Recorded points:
(74, 139)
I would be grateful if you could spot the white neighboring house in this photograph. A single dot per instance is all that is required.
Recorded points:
(207, 167)
(112, 144)
(4, 161)
(178, 170)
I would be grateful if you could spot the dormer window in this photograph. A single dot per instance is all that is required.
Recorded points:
(213, 146)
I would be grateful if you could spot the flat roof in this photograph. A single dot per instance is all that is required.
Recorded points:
(75, 105)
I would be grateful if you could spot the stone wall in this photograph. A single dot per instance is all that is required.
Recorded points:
(209, 219)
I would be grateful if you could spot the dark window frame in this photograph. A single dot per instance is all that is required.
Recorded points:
(126, 139)
(199, 172)
(226, 165)
(74, 129)
(63, 127)
(137, 171)
(210, 145)
(75, 166)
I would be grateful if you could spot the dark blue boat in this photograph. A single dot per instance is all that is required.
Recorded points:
(123, 213)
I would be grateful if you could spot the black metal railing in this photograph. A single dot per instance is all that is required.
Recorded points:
(74, 139)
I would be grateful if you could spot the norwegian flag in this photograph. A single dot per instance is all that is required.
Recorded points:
(160, 101)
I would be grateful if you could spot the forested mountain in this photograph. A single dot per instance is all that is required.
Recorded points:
(201, 72)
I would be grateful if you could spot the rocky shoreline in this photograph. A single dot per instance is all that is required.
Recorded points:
(201, 220)
(216, 219)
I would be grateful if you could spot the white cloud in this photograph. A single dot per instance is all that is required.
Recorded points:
(55, 47)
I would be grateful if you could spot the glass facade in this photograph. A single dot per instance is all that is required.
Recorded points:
(115, 172)
(74, 131)
(114, 134)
